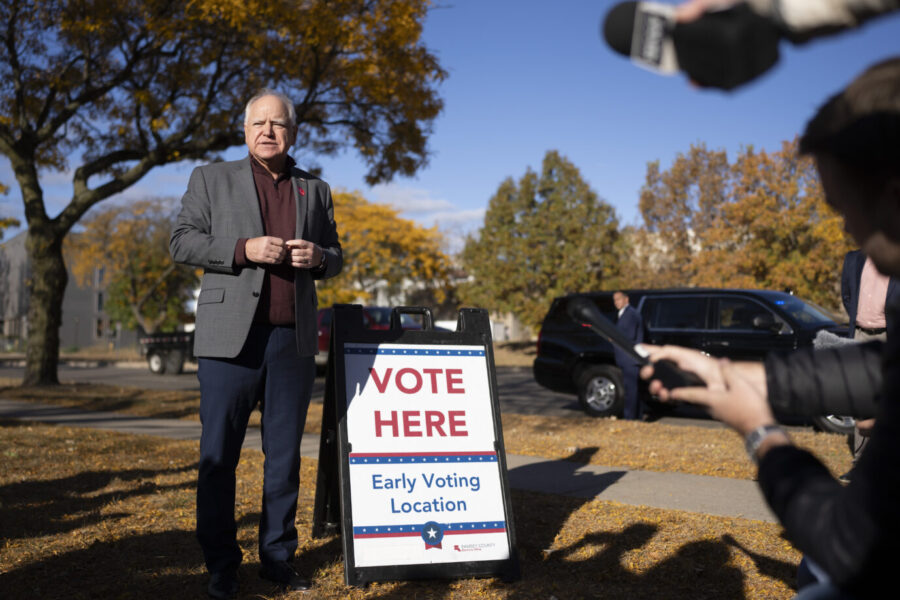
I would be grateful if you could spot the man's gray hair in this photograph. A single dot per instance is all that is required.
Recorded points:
(288, 103)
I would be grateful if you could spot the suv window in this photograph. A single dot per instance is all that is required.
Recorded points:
(806, 312)
(739, 314)
(675, 312)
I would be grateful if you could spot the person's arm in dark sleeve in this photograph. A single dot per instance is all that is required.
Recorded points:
(834, 381)
(638, 328)
(850, 531)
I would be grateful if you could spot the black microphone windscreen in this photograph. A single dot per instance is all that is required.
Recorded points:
(584, 311)
(618, 27)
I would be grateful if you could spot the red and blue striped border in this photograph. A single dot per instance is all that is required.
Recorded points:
(400, 458)
(408, 351)
(389, 531)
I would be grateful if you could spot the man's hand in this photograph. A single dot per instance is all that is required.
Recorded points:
(304, 254)
(265, 250)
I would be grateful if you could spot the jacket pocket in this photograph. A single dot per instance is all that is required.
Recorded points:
(211, 296)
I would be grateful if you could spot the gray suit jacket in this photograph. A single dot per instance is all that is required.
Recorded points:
(221, 206)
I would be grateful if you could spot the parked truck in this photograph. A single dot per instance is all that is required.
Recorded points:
(167, 352)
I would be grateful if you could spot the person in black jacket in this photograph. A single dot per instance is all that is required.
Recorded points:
(851, 531)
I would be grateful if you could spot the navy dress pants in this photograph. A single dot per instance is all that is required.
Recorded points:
(633, 409)
(270, 374)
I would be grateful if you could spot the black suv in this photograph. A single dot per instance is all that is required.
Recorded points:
(738, 324)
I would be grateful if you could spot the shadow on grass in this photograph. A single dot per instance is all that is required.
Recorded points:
(595, 566)
(158, 565)
(150, 566)
(46, 507)
(767, 566)
(563, 476)
(169, 565)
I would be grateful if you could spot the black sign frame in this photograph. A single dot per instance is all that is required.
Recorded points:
(331, 511)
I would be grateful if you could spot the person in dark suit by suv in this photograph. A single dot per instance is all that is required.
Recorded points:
(629, 323)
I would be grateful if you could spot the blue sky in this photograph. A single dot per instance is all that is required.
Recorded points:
(527, 76)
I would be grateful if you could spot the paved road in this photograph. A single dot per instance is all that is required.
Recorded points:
(519, 393)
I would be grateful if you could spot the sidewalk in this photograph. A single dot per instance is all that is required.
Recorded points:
(695, 493)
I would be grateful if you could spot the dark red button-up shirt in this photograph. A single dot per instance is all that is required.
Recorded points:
(278, 209)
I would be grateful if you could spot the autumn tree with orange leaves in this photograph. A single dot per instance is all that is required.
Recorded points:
(758, 222)
(381, 249)
(106, 91)
(146, 289)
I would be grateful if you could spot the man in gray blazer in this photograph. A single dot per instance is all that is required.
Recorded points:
(262, 231)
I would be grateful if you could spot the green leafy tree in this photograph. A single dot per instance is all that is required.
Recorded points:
(107, 91)
(543, 236)
(145, 288)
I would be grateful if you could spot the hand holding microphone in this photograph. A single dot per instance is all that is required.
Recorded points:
(722, 48)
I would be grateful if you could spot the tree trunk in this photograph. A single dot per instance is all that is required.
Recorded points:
(47, 285)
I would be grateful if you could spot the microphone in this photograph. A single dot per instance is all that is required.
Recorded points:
(722, 49)
(582, 310)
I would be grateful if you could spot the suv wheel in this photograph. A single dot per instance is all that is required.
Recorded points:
(600, 391)
(834, 424)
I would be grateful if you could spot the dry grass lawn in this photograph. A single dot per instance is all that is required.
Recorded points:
(91, 514)
(629, 444)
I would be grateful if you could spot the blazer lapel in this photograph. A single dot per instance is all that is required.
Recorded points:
(891, 291)
(245, 195)
(301, 196)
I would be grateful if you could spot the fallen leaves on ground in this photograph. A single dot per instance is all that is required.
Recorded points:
(159, 404)
(93, 514)
(654, 446)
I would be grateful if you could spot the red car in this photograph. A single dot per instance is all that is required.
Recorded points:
(374, 317)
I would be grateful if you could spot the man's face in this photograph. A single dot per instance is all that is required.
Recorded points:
(620, 300)
(268, 131)
(874, 222)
